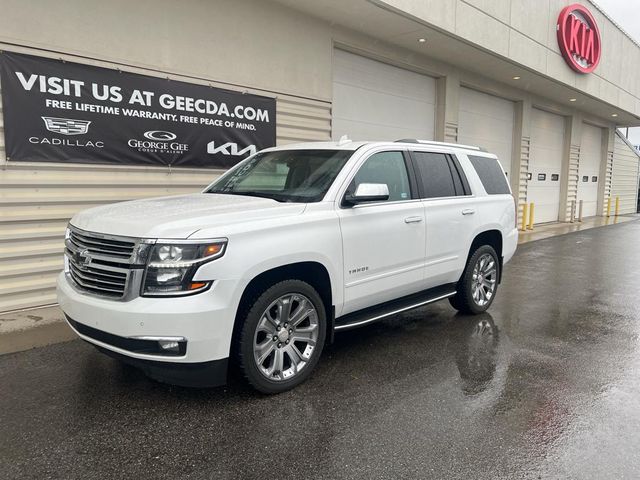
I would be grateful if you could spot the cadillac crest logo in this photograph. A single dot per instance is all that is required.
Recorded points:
(66, 126)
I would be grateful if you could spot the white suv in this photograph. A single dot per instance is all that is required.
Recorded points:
(293, 244)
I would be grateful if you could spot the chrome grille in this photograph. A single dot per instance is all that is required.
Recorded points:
(100, 245)
(100, 264)
(99, 281)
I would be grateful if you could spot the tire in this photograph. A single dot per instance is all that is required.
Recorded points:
(273, 358)
(476, 294)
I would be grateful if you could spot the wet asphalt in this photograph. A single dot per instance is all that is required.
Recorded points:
(543, 386)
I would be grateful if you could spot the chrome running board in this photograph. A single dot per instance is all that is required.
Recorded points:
(383, 310)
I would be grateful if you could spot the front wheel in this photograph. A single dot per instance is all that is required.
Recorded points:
(282, 336)
(479, 282)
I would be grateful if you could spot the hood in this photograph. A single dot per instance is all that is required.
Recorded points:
(180, 216)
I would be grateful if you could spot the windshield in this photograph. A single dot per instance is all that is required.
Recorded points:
(284, 175)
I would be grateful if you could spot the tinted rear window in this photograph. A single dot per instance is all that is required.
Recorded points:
(491, 174)
(435, 175)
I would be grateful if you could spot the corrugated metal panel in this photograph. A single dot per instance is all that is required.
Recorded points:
(608, 171)
(624, 176)
(572, 179)
(523, 181)
(37, 200)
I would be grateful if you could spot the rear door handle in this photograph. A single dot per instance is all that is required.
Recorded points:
(468, 211)
(412, 219)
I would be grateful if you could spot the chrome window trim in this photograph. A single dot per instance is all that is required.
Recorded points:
(377, 204)
(451, 197)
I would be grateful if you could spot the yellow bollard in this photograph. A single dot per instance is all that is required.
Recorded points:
(531, 205)
(524, 217)
(609, 207)
(617, 206)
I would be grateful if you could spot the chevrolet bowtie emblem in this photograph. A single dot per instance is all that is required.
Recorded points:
(82, 258)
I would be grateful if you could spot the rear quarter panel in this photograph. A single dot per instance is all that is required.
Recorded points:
(495, 212)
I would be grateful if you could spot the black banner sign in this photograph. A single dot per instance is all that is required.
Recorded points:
(57, 111)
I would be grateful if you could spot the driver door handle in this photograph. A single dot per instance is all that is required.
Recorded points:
(412, 219)
(468, 211)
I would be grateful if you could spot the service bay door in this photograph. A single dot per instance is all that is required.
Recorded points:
(376, 101)
(589, 169)
(487, 121)
(545, 165)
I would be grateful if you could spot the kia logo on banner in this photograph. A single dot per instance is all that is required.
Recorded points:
(579, 38)
(230, 148)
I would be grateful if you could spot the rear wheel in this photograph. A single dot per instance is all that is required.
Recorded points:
(479, 282)
(282, 336)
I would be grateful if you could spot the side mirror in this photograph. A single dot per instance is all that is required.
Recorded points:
(368, 192)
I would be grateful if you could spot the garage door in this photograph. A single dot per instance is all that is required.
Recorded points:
(545, 164)
(589, 169)
(487, 121)
(376, 101)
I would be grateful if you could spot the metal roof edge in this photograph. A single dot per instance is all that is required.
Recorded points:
(602, 11)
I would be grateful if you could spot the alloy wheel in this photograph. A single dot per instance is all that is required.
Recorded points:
(286, 337)
(484, 280)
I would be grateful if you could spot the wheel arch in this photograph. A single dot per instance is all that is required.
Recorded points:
(492, 237)
(312, 272)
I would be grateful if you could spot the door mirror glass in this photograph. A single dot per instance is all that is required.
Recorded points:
(368, 192)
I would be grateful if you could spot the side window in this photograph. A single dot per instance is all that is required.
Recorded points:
(435, 175)
(491, 174)
(388, 168)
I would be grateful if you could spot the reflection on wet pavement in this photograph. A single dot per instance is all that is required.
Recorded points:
(545, 385)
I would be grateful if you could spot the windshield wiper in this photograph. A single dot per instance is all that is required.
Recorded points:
(271, 196)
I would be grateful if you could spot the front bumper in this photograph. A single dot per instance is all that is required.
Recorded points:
(200, 375)
(205, 321)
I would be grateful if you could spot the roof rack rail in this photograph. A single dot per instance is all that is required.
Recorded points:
(442, 144)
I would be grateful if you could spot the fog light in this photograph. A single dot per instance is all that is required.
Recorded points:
(169, 345)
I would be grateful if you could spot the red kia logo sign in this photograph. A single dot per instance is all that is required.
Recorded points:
(579, 38)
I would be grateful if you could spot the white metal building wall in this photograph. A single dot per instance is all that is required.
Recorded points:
(376, 101)
(625, 175)
(37, 200)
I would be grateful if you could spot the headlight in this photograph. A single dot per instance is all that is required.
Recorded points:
(172, 266)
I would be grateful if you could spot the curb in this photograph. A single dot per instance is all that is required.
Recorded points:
(27, 329)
